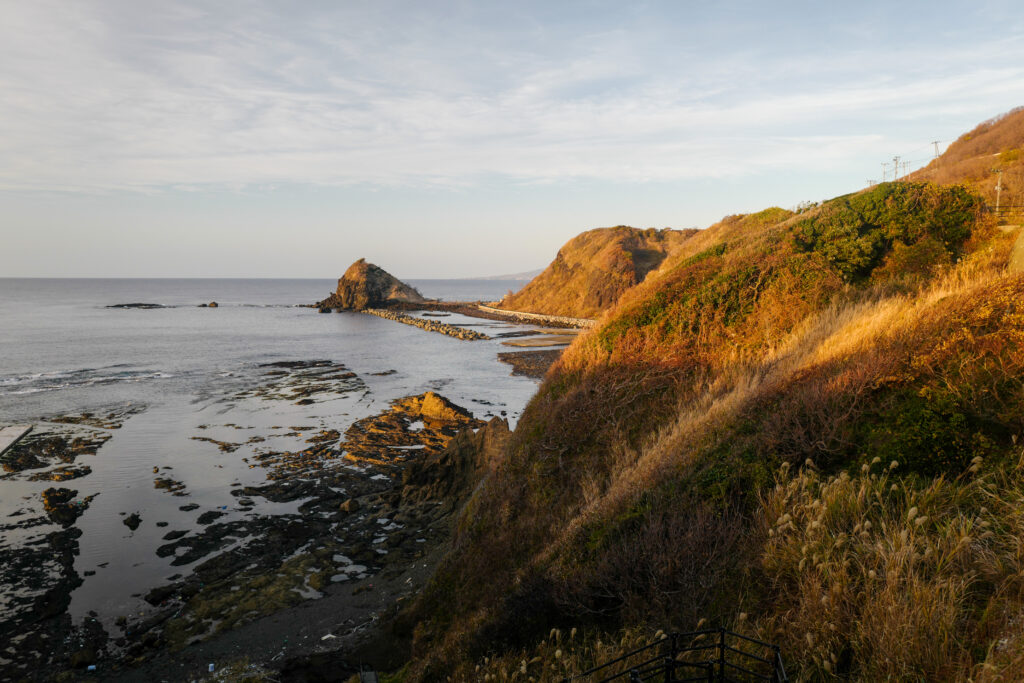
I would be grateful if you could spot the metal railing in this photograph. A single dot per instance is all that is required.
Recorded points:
(713, 655)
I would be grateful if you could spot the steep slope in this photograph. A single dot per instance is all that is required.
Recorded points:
(593, 269)
(365, 285)
(977, 158)
(658, 478)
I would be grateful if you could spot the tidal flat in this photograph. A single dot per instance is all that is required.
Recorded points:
(221, 485)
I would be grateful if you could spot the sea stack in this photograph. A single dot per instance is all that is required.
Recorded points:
(365, 285)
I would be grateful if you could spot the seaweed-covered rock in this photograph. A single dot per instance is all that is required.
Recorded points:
(60, 507)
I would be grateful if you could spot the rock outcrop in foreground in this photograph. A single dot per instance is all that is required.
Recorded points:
(365, 285)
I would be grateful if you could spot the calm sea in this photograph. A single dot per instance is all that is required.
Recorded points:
(62, 351)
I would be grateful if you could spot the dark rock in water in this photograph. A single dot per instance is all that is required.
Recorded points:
(350, 505)
(530, 363)
(365, 285)
(174, 535)
(161, 593)
(189, 508)
(212, 304)
(161, 524)
(136, 305)
(132, 521)
(60, 507)
(209, 517)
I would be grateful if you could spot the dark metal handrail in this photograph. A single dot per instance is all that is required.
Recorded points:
(663, 662)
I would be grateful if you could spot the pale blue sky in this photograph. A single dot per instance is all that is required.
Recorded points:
(287, 139)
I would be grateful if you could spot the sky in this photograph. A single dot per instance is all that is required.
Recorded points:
(224, 138)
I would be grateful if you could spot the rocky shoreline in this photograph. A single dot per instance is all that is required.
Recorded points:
(371, 506)
(428, 325)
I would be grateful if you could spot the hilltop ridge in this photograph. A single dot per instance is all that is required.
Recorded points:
(977, 159)
(592, 270)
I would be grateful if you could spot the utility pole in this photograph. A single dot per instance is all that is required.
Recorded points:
(883, 170)
(896, 167)
(906, 167)
(999, 187)
(936, 143)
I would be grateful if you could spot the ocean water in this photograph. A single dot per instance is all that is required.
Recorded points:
(179, 368)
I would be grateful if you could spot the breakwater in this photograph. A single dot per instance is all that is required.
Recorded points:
(537, 318)
(429, 325)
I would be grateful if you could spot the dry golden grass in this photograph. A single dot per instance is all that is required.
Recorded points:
(670, 433)
(877, 577)
(592, 270)
(997, 144)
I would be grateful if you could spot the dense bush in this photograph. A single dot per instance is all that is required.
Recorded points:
(855, 233)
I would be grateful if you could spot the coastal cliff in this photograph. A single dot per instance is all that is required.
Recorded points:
(594, 269)
(365, 285)
(805, 429)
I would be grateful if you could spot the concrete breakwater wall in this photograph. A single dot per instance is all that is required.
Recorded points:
(554, 320)
(429, 325)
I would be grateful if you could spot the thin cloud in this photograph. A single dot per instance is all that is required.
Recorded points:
(101, 100)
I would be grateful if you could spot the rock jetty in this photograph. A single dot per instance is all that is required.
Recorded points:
(429, 325)
(537, 318)
(365, 285)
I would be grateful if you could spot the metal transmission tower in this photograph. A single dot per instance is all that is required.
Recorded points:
(936, 143)
(999, 186)
(896, 167)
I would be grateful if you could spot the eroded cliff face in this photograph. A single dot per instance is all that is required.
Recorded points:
(594, 269)
(365, 285)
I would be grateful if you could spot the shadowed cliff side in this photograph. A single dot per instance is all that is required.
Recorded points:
(365, 285)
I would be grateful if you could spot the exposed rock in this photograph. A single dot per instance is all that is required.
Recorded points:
(432, 406)
(365, 285)
(61, 508)
(454, 471)
(132, 521)
(213, 304)
(530, 363)
(391, 436)
(209, 517)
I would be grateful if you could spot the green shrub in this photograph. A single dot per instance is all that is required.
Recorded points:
(855, 233)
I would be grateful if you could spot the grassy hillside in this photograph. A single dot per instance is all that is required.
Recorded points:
(975, 158)
(806, 427)
(593, 269)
